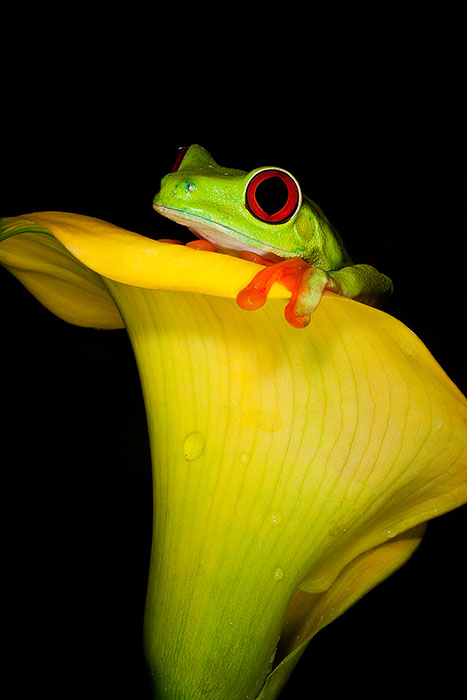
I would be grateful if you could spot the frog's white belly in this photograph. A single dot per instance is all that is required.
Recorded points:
(225, 240)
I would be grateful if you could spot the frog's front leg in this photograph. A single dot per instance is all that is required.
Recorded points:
(307, 284)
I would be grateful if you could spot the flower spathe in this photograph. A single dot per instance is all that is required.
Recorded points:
(293, 469)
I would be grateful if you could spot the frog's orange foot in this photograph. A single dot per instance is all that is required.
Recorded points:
(198, 244)
(292, 273)
(201, 244)
(287, 272)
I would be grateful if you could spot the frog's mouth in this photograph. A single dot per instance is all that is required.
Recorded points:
(225, 239)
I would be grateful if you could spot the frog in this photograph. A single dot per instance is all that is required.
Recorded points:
(263, 216)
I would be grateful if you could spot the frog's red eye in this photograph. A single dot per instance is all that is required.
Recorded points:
(272, 196)
(180, 157)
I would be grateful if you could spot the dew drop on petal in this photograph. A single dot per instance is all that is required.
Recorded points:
(277, 574)
(193, 446)
(276, 518)
(337, 527)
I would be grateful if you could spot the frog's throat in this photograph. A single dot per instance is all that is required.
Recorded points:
(225, 239)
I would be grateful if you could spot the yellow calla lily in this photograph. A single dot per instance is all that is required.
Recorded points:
(293, 469)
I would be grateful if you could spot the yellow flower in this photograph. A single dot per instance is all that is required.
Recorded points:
(293, 469)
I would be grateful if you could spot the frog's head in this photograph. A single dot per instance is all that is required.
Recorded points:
(261, 211)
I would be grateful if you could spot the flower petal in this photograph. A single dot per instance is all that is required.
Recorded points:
(56, 278)
(291, 455)
(129, 258)
(287, 463)
(310, 612)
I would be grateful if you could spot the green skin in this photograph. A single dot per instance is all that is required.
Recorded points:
(211, 201)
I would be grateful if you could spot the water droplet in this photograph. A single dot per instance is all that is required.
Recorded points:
(276, 518)
(390, 533)
(244, 458)
(193, 446)
(337, 526)
(230, 621)
(277, 574)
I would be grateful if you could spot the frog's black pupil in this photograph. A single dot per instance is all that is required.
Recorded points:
(271, 195)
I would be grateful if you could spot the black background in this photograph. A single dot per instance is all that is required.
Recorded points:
(368, 116)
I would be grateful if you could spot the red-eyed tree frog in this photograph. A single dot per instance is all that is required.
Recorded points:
(263, 216)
